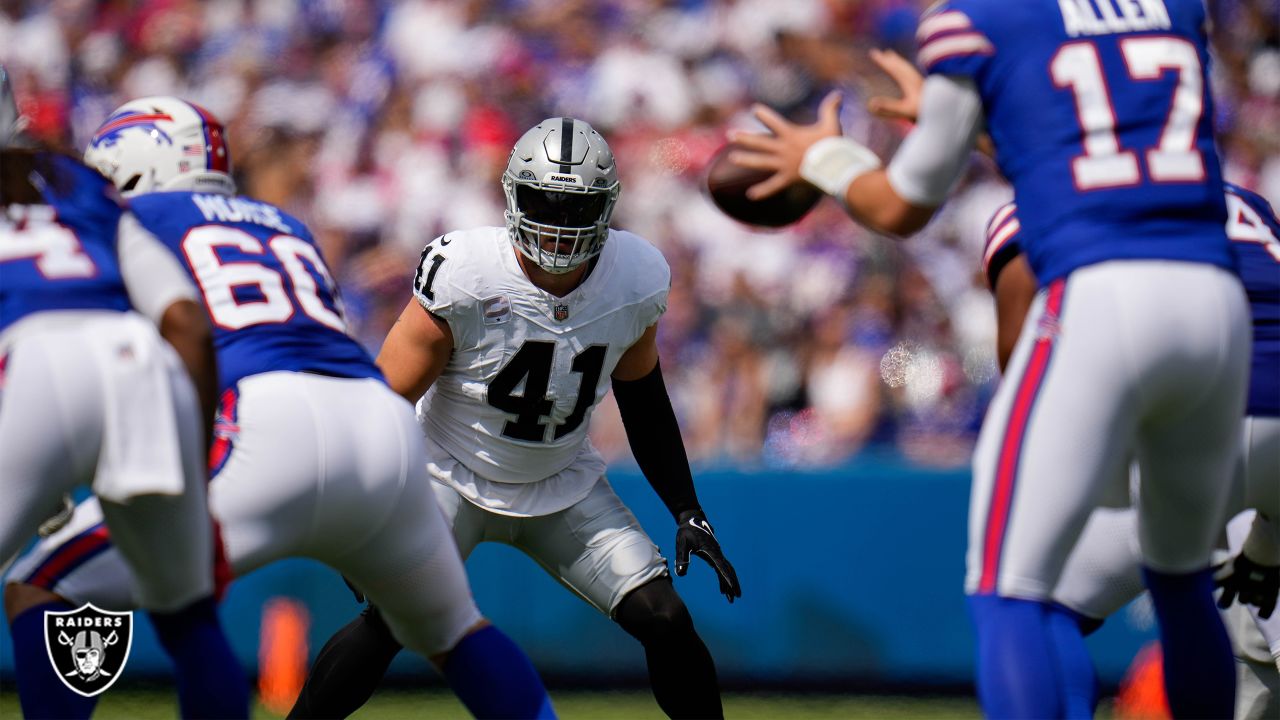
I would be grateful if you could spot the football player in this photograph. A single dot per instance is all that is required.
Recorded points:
(314, 455)
(1103, 572)
(1137, 344)
(92, 394)
(505, 345)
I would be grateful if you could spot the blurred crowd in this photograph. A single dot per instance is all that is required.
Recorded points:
(384, 124)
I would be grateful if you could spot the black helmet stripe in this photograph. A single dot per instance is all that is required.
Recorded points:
(566, 144)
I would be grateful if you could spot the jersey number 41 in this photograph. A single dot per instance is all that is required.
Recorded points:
(532, 364)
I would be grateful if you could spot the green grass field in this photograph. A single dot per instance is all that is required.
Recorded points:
(144, 704)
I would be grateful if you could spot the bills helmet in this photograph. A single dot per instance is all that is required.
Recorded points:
(162, 143)
(561, 184)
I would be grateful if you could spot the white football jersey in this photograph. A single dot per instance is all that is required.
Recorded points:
(513, 405)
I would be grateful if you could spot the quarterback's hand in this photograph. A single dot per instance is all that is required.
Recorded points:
(1251, 583)
(909, 82)
(783, 150)
(695, 536)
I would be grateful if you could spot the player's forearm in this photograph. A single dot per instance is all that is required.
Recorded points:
(852, 173)
(654, 436)
(871, 201)
(184, 326)
(932, 158)
(1015, 291)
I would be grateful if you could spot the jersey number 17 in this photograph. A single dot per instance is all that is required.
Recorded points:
(1103, 164)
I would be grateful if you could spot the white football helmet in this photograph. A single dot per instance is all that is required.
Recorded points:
(561, 185)
(162, 143)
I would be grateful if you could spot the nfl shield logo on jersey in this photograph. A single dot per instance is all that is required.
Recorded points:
(561, 312)
(88, 647)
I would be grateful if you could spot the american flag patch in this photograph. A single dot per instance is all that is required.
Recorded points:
(193, 150)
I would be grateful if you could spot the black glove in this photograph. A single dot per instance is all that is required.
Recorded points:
(694, 535)
(1251, 583)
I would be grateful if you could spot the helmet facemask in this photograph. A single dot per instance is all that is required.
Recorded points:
(558, 227)
(561, 186)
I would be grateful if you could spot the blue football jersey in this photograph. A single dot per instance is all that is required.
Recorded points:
(1101, 116)
(62, 256)
(270, 297)
(1254, 231)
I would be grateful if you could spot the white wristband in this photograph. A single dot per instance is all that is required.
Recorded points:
(833, 163)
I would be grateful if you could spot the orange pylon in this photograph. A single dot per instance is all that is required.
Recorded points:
(282, 653)
(1141, 695)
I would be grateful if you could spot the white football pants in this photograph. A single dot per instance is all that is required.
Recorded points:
(328, 468)
(1120, 360)
(59, 424)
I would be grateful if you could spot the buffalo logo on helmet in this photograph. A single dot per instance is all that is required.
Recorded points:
(88, 647)
(146, 121)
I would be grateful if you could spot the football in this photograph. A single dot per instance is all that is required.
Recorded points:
(727, 184)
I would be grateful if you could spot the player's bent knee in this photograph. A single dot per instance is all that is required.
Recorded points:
(20, 597)
(431, 635)
(439, 659)
(654, 611)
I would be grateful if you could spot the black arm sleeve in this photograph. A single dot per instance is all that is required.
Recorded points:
(655, 439)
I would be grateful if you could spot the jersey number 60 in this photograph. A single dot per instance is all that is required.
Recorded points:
(219, 279)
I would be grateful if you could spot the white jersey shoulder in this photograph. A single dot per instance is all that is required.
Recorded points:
(515, 399)
(470, 277)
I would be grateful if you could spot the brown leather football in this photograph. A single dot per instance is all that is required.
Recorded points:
(727, 184)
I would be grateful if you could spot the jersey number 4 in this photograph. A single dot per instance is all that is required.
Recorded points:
(1104, 165)
(218, 279)
(532, 364)
(1244, 224)
(56, 249)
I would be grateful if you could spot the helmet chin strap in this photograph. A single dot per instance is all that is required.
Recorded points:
(523, 247)
(559, 264)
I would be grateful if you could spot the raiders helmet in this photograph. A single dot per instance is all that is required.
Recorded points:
(162, 143)
(561, 185)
